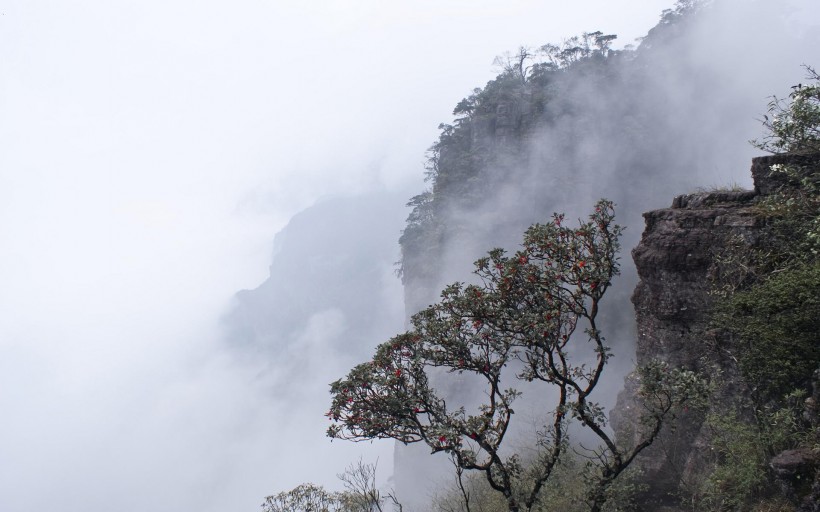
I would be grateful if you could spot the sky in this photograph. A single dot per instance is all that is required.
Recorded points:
(149, 152)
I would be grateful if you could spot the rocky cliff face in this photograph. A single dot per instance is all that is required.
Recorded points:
(681, 264)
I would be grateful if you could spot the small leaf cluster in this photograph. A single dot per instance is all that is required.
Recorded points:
(669, 386)
(793, 124)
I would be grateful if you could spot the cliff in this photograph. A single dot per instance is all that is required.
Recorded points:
(683, 263)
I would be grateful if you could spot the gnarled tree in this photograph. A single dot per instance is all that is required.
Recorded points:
(519, 324)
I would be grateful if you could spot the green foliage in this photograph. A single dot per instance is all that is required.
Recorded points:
(776, 317)
(793, 125)
(778, 322)
(528, 313)
(566, 491)
(740, 473)
(790, 239)
(740, 450)
(794, 213)
(770, 308)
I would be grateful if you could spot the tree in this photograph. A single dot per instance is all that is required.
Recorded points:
(360, 495)
(524, 322)
(517, 64)
(793, 125)
(589, 44)
(304, 497)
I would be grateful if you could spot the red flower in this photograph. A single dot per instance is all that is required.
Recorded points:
(398, 373)
(522, 260)
(582, 264)
(473, 436)
(442, 439)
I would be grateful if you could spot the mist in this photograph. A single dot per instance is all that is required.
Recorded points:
(151, 153)
(674, 117)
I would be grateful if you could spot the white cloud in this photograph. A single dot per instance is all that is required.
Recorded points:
(148, 153)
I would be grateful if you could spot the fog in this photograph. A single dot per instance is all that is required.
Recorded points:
(675, 118)
(149, 152)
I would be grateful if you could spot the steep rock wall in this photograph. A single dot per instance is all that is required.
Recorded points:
(681, 263)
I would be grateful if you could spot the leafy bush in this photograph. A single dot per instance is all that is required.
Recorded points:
(778, 324)
(794, 124)
(740, 450)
